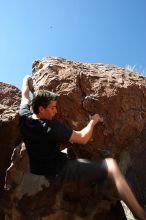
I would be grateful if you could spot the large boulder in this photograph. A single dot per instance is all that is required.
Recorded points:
(119, 95)
(9, 131)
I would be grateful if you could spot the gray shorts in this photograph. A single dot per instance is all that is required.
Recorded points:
(83, 170)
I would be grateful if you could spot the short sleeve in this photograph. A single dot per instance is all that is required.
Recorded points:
(60, 132)
(24, 110)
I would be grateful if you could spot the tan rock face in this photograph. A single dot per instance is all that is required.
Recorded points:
(117, 94)
(9, 132)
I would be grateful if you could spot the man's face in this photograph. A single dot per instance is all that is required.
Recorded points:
(50, 111)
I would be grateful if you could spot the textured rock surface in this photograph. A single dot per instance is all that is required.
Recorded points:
(119, 95)
(138, 157)
(9, 132)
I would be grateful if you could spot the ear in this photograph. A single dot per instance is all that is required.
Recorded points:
(41, 109)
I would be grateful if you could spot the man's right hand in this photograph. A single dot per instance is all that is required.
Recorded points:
(26, 87)
(27, 80)
(30, 84)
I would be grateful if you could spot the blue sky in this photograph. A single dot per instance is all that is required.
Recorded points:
(94, 31)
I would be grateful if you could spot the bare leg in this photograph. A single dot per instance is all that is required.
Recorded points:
(123, 189)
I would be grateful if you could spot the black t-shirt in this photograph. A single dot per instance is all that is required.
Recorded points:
(42, 139)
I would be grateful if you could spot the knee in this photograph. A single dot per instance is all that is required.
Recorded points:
(112, 166)
(111, 161)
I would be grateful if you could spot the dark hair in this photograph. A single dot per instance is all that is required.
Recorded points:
(42, 98)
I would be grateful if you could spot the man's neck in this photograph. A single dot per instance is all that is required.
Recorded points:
(34, 116)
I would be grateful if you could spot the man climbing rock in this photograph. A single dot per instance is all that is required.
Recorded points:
(42, 135)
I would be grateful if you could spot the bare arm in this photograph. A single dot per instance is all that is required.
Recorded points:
(83, 136)
(27, 82)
